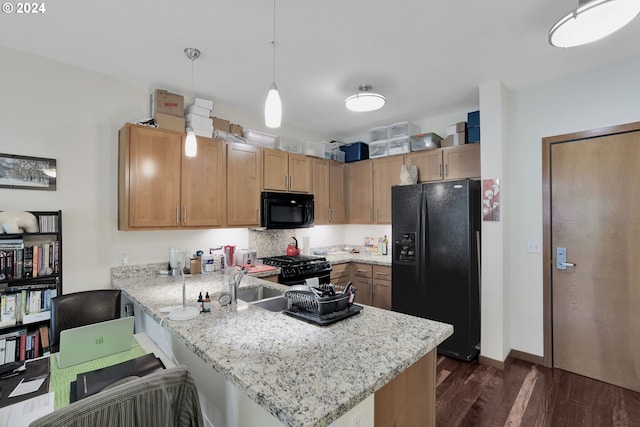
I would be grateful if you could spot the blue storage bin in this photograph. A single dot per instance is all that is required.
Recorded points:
(473, 119)
(355, 151)
(473, 134)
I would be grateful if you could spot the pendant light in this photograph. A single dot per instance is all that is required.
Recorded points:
(191, 143)
(273, 105)
(593, 20)
(365, 100)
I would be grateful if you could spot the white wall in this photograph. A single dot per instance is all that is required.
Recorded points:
(605, 96)
(52, 110)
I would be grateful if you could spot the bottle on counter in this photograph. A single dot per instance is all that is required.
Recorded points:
(200, 302)
(207, 303)
(385, 246)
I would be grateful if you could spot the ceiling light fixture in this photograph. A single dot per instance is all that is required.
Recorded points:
(191, 143)
(365, 100)
(593, 20)
(273, 105)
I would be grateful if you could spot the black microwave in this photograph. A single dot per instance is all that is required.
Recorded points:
(286, 210)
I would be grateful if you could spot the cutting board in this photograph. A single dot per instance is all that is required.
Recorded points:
(260, 268)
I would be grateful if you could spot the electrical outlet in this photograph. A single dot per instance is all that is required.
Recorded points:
(534, 247)
(358, 420)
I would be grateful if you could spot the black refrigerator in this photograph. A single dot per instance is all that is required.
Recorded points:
(435, 231)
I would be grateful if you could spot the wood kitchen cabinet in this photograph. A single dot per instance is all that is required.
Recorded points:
(329, 179)
(448, 163)
(340, 275)
(360, 192)
(373, 283)
(283, 171)
(160, 188)
(386, 173)
(243, 185)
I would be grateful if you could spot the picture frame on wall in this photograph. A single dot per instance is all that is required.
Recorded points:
(27, 173)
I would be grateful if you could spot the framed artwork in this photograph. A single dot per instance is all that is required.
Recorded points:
(491, 199)
(27, 173)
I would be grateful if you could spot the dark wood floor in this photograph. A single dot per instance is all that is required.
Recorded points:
(525, 394)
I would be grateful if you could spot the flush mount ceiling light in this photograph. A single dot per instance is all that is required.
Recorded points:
(273, 105)
(191, 143)
(593, 20)
(365, 100)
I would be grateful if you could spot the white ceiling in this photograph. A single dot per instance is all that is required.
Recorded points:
(427, 57)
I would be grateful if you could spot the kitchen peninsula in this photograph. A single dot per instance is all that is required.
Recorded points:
(271, 363)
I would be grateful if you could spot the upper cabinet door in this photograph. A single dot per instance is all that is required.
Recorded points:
(276, 170)
(321, 191)
(360, 192)
(428, 163)
(149, 178)
(337, 198)
(243, 184)
(299, 173)
(462, 161)
(386, 173)
(203, 186)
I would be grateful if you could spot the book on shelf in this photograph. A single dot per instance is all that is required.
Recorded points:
(44, 340)
(48, 223)
(8, 309)
(10, 350)
(3, 346)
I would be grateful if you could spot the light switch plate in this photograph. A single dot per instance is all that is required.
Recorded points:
(534, 247)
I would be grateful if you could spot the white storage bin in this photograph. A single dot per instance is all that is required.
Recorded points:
(260, 139)
(378, 149)
(399, 145)
(338, 156)
(290, 145)
(318, 149)
(379, 134)
(425, 141)
(402, 129)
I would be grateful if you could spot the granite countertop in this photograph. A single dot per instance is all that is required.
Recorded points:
(303, 374)
(343, 257)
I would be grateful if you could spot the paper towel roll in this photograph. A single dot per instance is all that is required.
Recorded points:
(306, 246)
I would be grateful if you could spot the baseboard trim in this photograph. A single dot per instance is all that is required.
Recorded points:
(527, 357)
(483, 360)
(513, 354)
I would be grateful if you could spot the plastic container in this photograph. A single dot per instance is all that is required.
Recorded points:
(355, 151)
(399, 145)
(378, 149)
(318, 149)
(290, 145)
(379, 134)
(260, 139)
(425, 141)
(402, 129)
(338, 156)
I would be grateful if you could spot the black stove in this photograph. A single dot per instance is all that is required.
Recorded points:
(295, 270)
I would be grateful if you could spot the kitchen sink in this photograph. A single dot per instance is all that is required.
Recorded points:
(257, 293)
(273, 304)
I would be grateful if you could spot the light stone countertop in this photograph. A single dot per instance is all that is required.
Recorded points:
(303, 374)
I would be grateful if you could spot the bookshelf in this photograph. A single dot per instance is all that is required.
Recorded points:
(30, 275)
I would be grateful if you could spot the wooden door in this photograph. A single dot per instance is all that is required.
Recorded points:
(594, 215)
(299, 173)
(243, 185)
(150, 170)
(386, 173)
(360, 192)
(203, 185)
(462, 161)
(275, 170)
(337, 199)
(428, 163)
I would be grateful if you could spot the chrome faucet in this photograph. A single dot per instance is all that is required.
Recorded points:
(234, 283)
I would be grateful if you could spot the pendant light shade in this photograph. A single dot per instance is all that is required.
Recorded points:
(593, 20)
(273, 104)
(191, 144)
(365, 100)
(273, 108)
